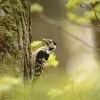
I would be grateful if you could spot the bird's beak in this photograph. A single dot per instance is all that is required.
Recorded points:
(45, 41)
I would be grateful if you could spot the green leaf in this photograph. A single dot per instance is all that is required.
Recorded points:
(7, 83)
(91, 15)
(36, 8)
(54, 93)
(78, 19)
(90, 1)
(72, 3)
(52, 61)
(35, 45)
(71, 16)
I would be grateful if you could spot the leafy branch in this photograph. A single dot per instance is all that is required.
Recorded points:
(90, 6)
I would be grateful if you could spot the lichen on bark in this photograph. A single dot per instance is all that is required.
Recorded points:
(15, 38)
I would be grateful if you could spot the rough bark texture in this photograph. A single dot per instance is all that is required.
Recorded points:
(15, 37)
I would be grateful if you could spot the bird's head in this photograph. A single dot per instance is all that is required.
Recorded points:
(50, 44)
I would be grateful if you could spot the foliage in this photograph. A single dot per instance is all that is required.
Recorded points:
(35, 7)
(35, 45)
(73, 3)
(90, 10)
(53, 93)
(52, 59)
(12, 88)
(82, 19)
(6, 83)
(84, 87)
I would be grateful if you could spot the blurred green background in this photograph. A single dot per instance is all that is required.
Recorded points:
(73, 73)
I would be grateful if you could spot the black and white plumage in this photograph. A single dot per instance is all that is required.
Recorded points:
(41, 56)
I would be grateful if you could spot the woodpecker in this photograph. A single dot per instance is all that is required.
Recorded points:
(41, 55)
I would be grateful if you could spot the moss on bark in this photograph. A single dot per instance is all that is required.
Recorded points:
(15, 38)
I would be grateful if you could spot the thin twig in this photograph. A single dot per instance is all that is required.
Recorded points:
(52, 21)
(86, 6)
(57, 24)
(86, 26)
(49, 20)
(77, 38)
(96, 15)
(95, 12)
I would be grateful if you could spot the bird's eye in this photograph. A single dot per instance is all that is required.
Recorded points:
(50, 42)
(54, 43)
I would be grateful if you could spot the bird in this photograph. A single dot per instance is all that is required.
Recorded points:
(41, 56)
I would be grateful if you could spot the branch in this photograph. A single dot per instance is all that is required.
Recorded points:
(86, 26)
(92, 7)
(57, 24)
(96, 15)
(86, 6)
(94, 11)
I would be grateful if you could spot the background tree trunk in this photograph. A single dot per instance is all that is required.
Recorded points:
(15, 37)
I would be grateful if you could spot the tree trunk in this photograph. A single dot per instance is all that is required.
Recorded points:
(15, 38)
(97, 37)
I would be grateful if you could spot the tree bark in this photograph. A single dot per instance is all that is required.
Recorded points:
(15, 38)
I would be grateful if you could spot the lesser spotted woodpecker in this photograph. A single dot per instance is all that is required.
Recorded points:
(41, 55)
